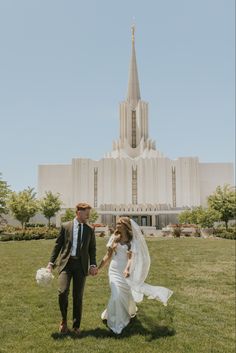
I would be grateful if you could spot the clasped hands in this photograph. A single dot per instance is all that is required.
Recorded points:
(93, 271)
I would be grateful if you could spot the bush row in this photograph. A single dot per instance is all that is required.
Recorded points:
(33, 233)
(222, 232)
(14, 233)
(229, 233)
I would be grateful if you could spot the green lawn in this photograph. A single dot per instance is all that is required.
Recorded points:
(199, 316)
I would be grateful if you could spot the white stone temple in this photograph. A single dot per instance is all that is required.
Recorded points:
(135, 178)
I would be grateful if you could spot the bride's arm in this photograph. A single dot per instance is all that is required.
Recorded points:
(106, 258)
(127, 268)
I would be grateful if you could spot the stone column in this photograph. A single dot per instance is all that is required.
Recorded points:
(153, 220)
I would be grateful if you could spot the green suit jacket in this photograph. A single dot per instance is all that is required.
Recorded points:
(62, 248)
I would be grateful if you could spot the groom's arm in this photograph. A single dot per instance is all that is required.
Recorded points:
(92, 250)
(57, 247)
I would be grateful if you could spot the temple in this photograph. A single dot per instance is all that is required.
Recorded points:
(135, 178)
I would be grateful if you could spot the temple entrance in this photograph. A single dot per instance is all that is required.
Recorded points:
(143, 220)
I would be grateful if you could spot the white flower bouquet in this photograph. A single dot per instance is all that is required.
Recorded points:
(44, 277)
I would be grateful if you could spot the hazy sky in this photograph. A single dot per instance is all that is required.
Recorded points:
(64, 70)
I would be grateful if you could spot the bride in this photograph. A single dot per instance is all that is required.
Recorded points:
(129, 267)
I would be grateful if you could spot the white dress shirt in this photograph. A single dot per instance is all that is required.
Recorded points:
(75, 236)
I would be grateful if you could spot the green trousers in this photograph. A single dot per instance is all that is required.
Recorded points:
(73, 270)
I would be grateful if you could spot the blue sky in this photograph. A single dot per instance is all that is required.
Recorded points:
(64, 70)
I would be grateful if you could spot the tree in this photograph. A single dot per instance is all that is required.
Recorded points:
(206, 217)
(223, 200)
(188, 217)
(203, 217)
(4, 193)
(93, 216)
(69, 215)
(23, 205)
(50, 205)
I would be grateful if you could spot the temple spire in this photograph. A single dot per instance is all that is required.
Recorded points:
(133, 95)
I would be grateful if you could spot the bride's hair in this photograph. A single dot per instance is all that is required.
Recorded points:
(128, 228)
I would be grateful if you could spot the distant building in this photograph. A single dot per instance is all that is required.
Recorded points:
(135, 178)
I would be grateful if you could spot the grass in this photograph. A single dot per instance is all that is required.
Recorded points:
(199, 317)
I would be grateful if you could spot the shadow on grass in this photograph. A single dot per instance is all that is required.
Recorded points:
(135, 327)
(151, 330)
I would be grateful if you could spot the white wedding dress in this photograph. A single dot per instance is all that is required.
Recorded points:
(126, 292)
(121, 306)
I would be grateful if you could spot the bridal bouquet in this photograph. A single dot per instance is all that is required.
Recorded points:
(44, 277)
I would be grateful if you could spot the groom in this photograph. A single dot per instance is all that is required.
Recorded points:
(76, 248)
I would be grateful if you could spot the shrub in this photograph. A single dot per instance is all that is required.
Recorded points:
(27, 237)
(197, 233)
(33, 233)
(177, 232)
(50, 236)
(226, 234)
(222, 232)
(32, 225)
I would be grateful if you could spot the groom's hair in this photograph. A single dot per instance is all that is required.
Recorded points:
(82, 206)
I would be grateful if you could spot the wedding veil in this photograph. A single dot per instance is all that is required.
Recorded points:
(139, 269)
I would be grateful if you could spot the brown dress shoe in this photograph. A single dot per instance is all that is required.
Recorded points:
(63, 327)
(77, 331)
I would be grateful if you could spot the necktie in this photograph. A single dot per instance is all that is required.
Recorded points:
(78, 241)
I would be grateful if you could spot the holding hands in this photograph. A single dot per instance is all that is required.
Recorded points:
(93, 270)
